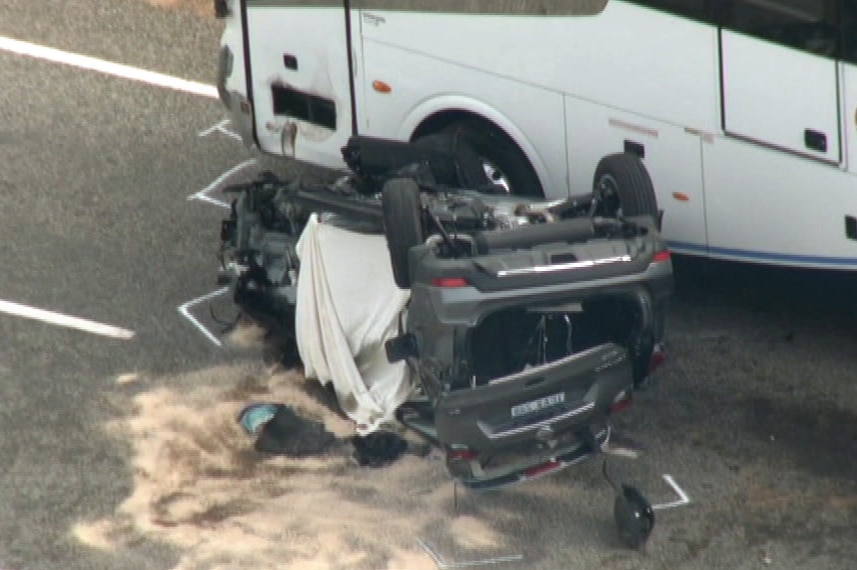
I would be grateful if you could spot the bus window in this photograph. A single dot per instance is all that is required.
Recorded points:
(848, 23)
(505, 7)
(808, 25)
(695, 9)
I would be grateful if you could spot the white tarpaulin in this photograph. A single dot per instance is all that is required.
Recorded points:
(348, 305)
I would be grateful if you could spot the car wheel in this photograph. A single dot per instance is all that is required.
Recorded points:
(502, 161)
(624, 188)
(400, 200)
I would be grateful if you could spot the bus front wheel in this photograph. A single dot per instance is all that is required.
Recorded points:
(502, 161)
(622, 186)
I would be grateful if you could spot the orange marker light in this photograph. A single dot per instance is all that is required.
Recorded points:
(681, 196)
(381, 87)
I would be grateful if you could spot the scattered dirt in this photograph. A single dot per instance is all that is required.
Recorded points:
(470, 532)
(247, 335)
(199, 485)
(201, 7)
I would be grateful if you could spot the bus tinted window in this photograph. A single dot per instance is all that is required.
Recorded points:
(505, 7)
(849, 30)
(808, 25)
(696, 9)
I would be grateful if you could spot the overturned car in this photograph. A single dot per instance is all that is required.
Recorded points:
(526, 323)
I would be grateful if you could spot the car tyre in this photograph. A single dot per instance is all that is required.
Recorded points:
(625, 188)
(403, 229)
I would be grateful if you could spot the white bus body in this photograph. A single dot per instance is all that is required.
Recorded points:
(744, 111)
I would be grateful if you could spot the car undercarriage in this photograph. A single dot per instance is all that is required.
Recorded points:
(527, 322)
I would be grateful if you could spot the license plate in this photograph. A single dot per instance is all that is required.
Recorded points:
(536, 405)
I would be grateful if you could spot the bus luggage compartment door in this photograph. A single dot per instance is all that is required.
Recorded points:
(299, 78)
(780, 96)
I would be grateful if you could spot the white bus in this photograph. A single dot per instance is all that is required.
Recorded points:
(743, 111)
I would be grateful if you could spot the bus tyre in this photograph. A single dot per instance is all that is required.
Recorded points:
(624, 186)
(503, 162)
(403, 229)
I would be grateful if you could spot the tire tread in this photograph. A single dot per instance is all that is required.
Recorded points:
(400, 201)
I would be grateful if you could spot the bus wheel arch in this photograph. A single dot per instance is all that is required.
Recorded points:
(503, 160)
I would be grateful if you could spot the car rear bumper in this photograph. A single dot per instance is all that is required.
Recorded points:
(473, 475)
(537, 406)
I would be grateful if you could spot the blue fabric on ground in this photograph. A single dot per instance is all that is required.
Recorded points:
(254, 416)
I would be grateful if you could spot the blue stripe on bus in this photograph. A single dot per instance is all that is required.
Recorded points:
(763, 255)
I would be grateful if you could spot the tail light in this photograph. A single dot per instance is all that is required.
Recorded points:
(621, 402)
(460, 453)
(449, 282)
(661, 256)
(657, 360)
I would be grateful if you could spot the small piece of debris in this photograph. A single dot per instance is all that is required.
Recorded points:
(129, 378)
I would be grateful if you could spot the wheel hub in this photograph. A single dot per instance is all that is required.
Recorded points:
(607, 191)
(496, 176)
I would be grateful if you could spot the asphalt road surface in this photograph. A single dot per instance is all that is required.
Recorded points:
(754, 418)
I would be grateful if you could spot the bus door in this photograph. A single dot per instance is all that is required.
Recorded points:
(299, 77)
(779, 80)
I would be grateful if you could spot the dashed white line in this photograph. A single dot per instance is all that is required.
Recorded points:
(203, 194)
(683, 498)
(107, 67)
(184, 310)
(62, 320)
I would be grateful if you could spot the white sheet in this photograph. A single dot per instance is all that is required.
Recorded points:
(348, 305)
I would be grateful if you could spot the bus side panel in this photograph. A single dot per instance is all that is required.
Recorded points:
(424, 85)
(671, 154)
(628, 57)
(299, 70)
(772, 207)
(849, 125)
(232, 77)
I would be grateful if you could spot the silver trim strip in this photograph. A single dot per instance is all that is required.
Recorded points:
(564, 266)
(519, 430)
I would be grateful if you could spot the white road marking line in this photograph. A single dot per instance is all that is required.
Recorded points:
(203, 194)
(184, 310)
(107, 67)
(62, 320)
(683, 498)
(444, 565)
(220, 128)
(212, 128)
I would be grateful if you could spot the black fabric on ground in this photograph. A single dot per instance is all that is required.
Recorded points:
(380, 448)
(287, 433)
(290, 434)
